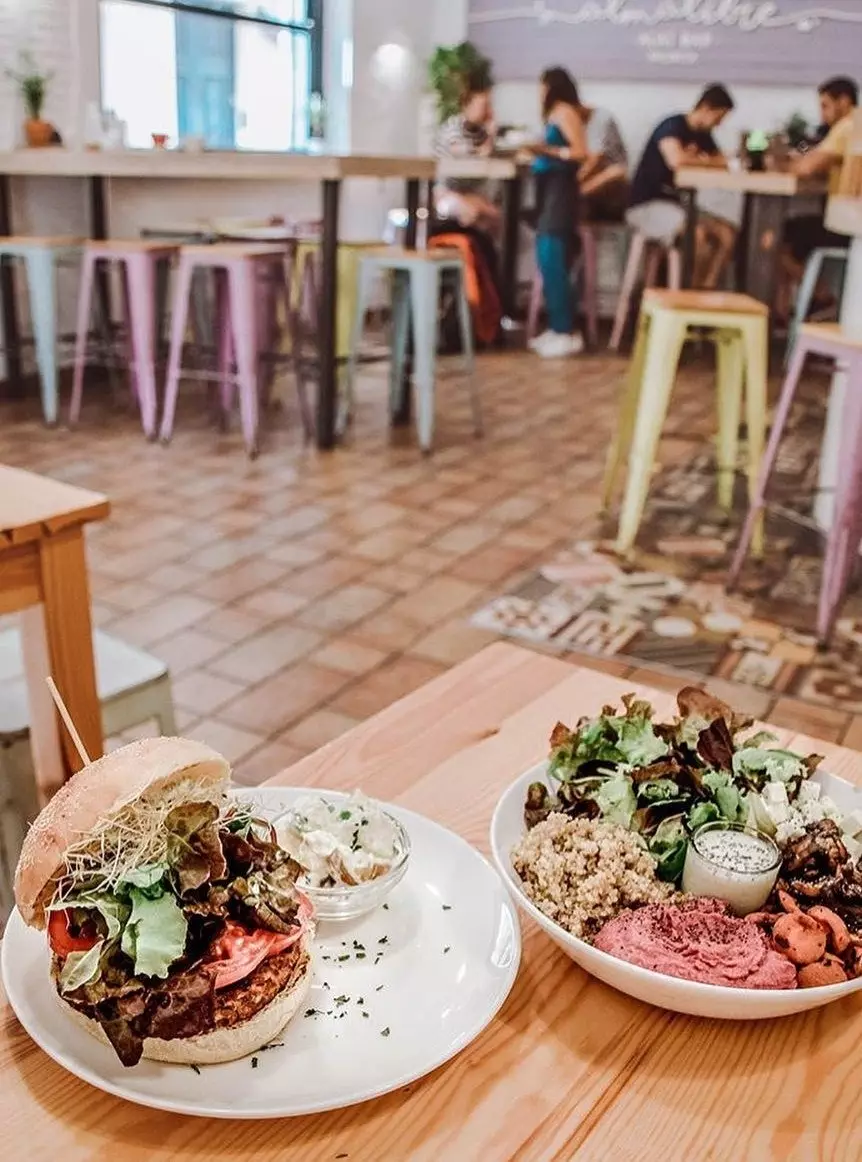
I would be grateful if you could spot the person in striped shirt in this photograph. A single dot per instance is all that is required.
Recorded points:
(471, 202)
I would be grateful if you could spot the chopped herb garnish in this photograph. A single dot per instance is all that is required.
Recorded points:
(385, 907)
(346, 956)
(360, 955)
(312, 1012)
(361, 1001)
(446, 949)
(380, 988)
(344, 815)
(359, 947)
(365, 1014)
(383, 940)
(196, 1068)
(378, 958)
(254, 1063)
(326, 984)
(272, 1045)
(385, 1032)
(447, 907)
(341, 1000)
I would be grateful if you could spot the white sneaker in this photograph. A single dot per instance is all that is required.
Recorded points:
(561, 346)
(539, 341)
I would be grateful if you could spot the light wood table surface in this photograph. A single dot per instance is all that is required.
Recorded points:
(570, 1068)
(781, 184)
(43, 577)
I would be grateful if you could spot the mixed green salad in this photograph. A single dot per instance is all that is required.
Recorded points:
(664, 780)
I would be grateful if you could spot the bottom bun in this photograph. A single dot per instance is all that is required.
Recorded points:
(222, 1044)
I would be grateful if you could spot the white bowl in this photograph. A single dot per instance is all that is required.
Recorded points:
(668, 992)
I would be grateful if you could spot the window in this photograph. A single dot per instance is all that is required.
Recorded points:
(237, 74)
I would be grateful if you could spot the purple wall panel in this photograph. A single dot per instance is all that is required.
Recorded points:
(744, 41)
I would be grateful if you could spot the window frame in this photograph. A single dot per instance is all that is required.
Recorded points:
(312, 26)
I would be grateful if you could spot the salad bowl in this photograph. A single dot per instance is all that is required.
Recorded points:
(667, 992)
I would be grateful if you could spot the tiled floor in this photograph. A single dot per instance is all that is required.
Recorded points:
(296, 595)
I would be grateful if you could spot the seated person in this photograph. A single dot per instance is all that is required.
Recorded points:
(807, 233)
(604, 175)
(471, 202)
(685, 139)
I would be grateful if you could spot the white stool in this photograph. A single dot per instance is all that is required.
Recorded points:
(133, 688)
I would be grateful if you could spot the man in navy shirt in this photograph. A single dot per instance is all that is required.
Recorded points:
(685, 139)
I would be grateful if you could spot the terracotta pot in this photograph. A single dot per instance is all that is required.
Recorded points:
(38, 133)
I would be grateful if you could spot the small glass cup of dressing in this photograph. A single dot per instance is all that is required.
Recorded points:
(732, 862)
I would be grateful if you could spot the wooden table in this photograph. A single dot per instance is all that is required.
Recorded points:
(768, 198)
(43, 576)
(570, 1068)
(330, 170)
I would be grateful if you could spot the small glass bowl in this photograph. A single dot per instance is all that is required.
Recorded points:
(350, 901)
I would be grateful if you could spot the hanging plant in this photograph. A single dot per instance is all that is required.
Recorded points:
(448, 71)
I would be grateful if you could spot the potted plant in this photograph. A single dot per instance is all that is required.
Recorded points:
(447, 71)
(33, 87)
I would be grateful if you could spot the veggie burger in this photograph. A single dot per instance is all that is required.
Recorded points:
(175, 925)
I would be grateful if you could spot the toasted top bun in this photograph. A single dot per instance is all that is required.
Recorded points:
(151, 766)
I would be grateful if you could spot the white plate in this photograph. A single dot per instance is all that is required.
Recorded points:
(434, 1002)
(668, 992)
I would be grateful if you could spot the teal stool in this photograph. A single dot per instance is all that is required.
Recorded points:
(41, 257)
(835, 260)
(417, 279)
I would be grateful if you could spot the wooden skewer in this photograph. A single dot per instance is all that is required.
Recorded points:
(67, 719)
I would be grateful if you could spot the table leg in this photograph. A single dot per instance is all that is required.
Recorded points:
(765, 229)
(327, 323)
(66, 594)
(512, 194)
(402, 415)
(45, 742)
(11, 333)
(689, 238)
(742, 244)
(99, 231)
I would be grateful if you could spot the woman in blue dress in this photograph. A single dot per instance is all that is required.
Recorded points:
(556, 169)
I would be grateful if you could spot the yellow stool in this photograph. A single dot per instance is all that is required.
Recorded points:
(738, 325)
(349, 263)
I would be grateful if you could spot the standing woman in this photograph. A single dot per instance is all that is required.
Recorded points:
(557, 197)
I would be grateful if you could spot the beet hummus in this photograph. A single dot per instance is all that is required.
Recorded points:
(698, 940)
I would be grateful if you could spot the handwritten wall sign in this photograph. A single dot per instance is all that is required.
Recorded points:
(750, 41)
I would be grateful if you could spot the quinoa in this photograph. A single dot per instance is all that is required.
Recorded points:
(583, 872)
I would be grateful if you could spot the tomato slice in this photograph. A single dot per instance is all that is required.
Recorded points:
(239, 951)
(61, 939)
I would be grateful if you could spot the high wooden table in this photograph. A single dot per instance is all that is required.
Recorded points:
(768, 199)
(43, 577)
(99, 167)
(570, 1068)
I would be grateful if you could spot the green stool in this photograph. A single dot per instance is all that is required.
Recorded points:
(416, 280)
(41, 257)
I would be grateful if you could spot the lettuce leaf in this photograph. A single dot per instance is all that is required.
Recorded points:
(769, 766)
(80, 967)
(668, 847)
(155, 934)
(658, 791)
(616, 801)
(114, 912)
(726, 796)
(703, 812)
(628, 738)
(638, 743)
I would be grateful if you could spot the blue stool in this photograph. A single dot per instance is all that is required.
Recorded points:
(417, 277)
(833, 258)
(41, 257)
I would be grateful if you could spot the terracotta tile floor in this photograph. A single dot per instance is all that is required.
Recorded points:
(298, 594)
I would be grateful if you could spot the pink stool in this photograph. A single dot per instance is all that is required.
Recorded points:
(589, 264)
(241, 270)
(656, 229)
(845, 535)
(139, 261)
